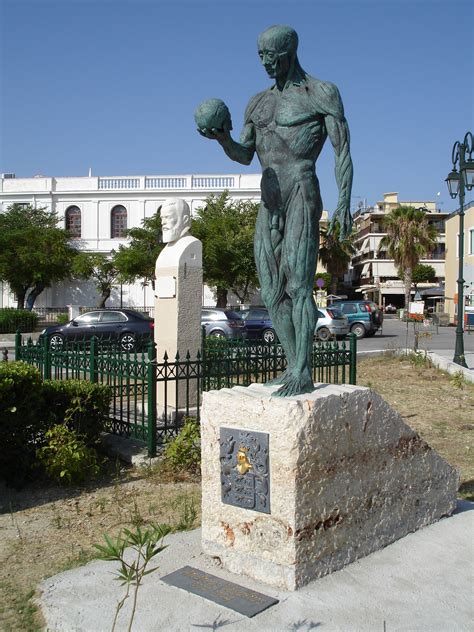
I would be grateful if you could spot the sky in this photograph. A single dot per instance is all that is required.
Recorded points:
(112, 85)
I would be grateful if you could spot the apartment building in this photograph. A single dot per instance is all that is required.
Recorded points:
(452, 262)
(373, 274)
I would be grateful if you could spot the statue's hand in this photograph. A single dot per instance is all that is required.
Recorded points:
(343, 219)
(221, 135)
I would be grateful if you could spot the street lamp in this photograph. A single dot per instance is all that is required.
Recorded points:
(458, 182)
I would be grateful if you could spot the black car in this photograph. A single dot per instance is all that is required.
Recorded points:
(258, 324)
(126, 326)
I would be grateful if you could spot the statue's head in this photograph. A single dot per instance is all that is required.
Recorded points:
(175, 219)
(277, 47)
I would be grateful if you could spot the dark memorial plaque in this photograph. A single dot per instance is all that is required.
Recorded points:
(221, 591)
(245, 474)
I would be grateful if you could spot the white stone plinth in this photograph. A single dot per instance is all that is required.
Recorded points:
(347, 477)
(178, 301)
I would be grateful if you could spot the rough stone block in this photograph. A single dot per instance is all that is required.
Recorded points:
(347, 477)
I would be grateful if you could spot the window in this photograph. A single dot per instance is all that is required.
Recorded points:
(90, 317)
(118, 221)
(471, 241)
(73, 221)
(349, 309)
(113, 317)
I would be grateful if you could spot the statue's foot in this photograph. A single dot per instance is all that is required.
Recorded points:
(280, 379)
(295, 385)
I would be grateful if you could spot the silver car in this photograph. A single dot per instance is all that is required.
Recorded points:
(332, 323)
(222, 323)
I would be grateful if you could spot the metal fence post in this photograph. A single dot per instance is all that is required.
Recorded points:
(46, 359)
(18, 345)
(353, 359)
(93, 360)
(151, 385)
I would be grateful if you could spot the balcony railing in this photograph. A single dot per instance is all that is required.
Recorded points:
(169, 182)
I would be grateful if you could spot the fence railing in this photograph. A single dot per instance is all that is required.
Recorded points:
(151, 398)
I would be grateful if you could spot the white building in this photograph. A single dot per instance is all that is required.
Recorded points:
(97, 210)
(373, 273)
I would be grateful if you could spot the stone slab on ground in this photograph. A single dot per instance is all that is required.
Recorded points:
(346, 475)
(423, 582)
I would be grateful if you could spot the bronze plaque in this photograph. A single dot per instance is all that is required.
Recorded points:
(243, 600)
(245, 473)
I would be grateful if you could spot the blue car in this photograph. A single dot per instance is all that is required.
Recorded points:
(258, 325)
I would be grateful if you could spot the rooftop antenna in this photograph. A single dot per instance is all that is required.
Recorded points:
(90, 172)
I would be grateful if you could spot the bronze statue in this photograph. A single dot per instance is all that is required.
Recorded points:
(287, 126)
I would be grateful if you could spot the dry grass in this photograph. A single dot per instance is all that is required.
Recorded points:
(437, 405)
(46, 530)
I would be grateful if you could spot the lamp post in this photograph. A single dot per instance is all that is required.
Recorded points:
(458, 182)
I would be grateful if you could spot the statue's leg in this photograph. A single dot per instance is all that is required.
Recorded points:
(298, 262)
(268, 247)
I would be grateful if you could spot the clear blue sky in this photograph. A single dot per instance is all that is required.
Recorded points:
(113, 84)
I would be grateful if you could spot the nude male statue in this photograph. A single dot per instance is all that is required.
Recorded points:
(287, 126)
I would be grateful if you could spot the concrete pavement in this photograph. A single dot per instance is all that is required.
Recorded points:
(423, 582)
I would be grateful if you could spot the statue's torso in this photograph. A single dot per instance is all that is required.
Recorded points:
(289, 129)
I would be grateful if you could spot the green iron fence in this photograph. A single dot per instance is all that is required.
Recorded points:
(135, 377)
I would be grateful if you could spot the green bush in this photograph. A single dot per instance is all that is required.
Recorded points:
(62, 319)
(184, 451)
(13, 319)
(22, 426)
(82, 406)
(66, 458)
(30, 407)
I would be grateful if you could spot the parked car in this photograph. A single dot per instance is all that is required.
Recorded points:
(332, 323)
(129, 327)
(258, 324)
(222, 323)
(365, 317)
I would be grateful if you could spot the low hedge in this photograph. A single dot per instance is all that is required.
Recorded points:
(22, 425)
(30, 407)
(12, 320)
(82, 406)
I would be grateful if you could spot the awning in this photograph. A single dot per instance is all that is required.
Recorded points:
(366, 288)
(365, 269)
(433, 292)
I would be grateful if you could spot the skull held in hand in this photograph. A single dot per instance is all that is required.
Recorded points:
(213, 113)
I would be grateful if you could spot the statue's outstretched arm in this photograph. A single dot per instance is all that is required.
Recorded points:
(240, 152)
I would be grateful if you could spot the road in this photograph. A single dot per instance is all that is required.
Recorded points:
(395, 335)
(400, 335)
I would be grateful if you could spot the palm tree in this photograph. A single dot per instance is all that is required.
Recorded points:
(409, 237)
(335, 255)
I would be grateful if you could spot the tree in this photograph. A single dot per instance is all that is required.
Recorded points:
(100, 268)
(335, 255)
(324, 276)
(34, 252)
(423, 274)
(137, 260)
(409, 237)
(226, 229)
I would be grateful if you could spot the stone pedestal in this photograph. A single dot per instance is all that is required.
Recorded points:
(346, 476)
(178, 302)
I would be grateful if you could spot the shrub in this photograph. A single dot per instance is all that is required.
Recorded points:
(13, 319)
(22, 427)
(184, 451)
(82, 406)
(62, 319)
(66, 457)
(30, 407)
